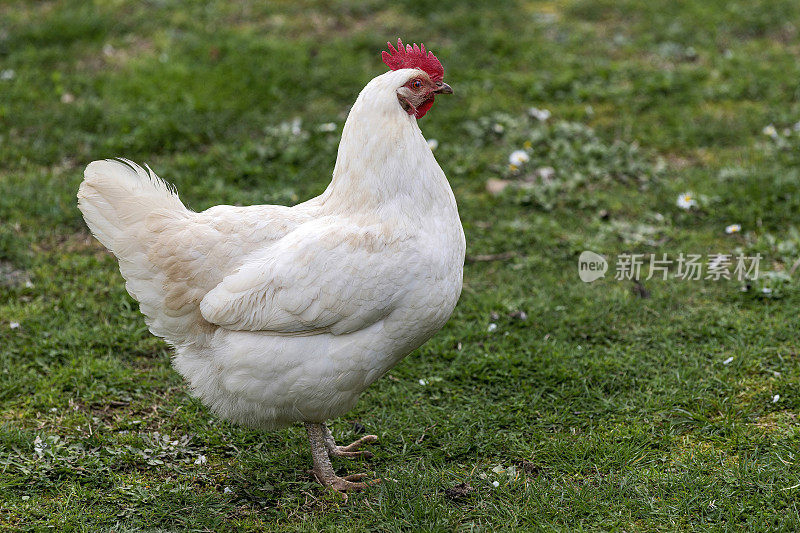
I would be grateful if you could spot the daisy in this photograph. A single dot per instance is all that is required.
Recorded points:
(539, 114)
(518, 158)
(433, 144)
(686, 201)
(733, 228)
(770, 131)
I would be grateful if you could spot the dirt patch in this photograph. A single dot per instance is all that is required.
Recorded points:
(10, 276)
(82, 241)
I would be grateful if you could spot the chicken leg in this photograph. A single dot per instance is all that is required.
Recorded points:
(318, 436)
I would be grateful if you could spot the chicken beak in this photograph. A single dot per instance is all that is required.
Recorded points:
(443, 88)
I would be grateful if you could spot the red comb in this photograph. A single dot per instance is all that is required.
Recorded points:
(413, 57)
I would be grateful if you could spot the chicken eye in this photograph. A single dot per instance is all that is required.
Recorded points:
(416, 84)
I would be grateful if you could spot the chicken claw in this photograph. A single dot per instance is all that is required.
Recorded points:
(351, 450)
(321, 450)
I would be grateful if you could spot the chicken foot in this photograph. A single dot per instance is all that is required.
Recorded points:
(352, 449)
(323, 470)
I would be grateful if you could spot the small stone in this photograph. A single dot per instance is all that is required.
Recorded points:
(519, 315)
(496, 186)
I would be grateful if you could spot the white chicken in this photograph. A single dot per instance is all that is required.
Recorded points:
(285, 314)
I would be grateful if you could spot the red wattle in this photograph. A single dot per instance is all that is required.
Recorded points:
(424, 107)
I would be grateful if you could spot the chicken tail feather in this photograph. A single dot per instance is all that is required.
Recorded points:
(117, 197)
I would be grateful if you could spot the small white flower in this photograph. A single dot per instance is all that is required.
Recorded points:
(728, 361)
(776, 398)
(296, 126)
(13, 325)
(67, 98)
(495, 484)
(787, 132)
(796, 126)
(433, 144)
(7, 74)
(492, 327)
(539, 114)
(201, 460)
(108, 49)
(770, 131)
(227, 490)
(518, 158)
(546, 173)
(733, 228)
(686, 201)
(28, 284)
(26, 498)
(423, 382)
(53, 409)
(38, 446)
(498, 128)
(766, 290)
(327, 127)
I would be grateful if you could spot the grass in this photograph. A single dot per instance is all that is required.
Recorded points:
(603, 410)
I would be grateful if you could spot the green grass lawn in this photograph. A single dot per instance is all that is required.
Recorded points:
(668, 405)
